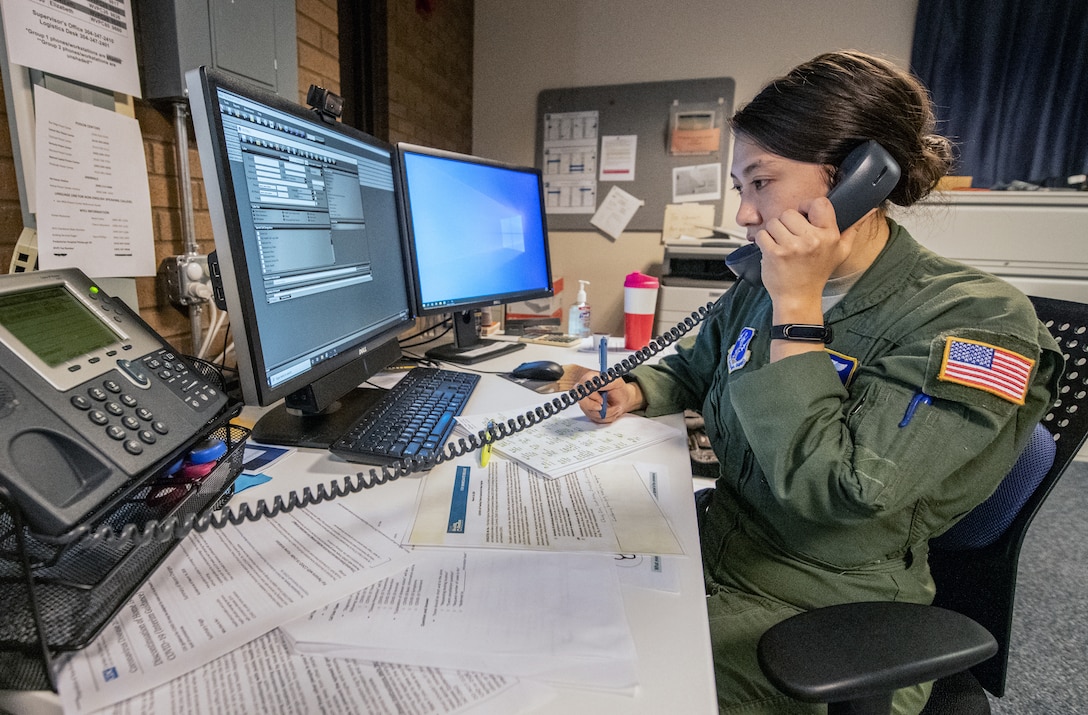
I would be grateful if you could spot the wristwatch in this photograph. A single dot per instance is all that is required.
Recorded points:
(802, 332)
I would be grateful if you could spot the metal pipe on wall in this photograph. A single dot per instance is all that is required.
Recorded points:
(185, 188)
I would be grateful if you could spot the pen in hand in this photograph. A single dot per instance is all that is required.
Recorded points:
(603, 347)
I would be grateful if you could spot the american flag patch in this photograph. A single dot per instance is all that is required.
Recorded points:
(987, 367)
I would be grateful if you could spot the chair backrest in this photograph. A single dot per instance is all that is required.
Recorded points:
(988, 521)
(979, 579)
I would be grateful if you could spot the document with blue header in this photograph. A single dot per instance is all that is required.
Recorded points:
(606, 508)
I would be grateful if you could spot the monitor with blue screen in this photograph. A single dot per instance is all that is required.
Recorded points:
(477, 237)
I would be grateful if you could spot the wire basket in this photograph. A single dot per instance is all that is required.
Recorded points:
(57, 597)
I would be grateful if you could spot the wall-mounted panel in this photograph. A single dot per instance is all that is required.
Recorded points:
(253, 39)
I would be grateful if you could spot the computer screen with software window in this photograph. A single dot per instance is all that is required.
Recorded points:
(478, 237)
(311, 250)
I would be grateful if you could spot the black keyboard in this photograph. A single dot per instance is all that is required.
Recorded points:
(413, 419)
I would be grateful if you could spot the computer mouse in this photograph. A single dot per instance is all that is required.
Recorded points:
(538, 370)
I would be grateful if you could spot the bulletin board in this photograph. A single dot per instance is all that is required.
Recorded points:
(642, 117)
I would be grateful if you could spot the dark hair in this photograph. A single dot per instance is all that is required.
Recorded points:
(825, 107)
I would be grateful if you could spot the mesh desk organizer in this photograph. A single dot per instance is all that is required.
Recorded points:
(58, 592)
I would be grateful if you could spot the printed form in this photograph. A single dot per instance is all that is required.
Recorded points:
(503, 505)
(555, 617)
(265, 676)
(223, 588)
(562, 445)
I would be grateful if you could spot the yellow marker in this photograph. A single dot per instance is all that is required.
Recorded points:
(485, 452)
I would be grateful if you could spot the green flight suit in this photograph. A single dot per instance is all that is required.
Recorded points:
(823, 497)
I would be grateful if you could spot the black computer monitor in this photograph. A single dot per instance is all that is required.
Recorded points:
(477, 237)
(311, 252)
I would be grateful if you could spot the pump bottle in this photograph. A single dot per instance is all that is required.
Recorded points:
(578, 320)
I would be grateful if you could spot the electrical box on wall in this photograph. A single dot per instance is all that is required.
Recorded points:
(253, 39)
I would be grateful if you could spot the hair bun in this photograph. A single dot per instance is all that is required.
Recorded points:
(925, 169)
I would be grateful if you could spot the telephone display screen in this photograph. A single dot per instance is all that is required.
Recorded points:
(53, 324)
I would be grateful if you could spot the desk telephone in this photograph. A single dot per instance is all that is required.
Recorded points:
(869, 174)
(91, 398)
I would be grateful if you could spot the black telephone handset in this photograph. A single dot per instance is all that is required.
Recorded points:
(868, 175)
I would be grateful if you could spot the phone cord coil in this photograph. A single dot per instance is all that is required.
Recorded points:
(177, 527)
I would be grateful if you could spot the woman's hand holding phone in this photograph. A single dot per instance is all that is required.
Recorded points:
(800, 253)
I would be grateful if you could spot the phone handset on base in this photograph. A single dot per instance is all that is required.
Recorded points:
(868, 176)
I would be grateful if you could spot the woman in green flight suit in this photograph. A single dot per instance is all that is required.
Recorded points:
(841, 459)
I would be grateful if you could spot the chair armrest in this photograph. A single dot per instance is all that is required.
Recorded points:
(866, 651)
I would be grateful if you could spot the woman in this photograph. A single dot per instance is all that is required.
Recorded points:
(840, 459)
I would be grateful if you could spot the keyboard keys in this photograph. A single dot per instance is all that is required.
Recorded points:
(413, 419)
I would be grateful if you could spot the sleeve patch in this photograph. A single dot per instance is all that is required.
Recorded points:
(845, 366)
(986, 367)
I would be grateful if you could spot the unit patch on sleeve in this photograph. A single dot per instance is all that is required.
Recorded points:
(987, 367)
(845, 366)
(740, 353)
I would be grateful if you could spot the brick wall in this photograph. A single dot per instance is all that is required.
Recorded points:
(430, 85)
(318, 46)
(11, 217)
(430, 73)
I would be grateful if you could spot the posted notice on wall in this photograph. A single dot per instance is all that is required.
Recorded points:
(91, 41)
(94, 207)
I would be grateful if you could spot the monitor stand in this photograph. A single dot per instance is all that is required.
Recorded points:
(291, 428)
(468, 347)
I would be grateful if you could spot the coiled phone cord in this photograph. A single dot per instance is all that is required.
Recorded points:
(178, 526)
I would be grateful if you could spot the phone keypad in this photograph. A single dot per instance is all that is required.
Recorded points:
(134, 430)
(114, 406)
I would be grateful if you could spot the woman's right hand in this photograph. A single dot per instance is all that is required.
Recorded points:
(623, 397)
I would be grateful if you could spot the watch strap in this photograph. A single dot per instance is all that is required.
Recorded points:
(802, 332)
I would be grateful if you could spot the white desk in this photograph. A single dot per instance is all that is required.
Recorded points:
(670, 631)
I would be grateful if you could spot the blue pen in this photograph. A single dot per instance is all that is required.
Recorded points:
(604, 368)
(920, 398)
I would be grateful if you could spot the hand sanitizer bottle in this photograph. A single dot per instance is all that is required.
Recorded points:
(578, 320)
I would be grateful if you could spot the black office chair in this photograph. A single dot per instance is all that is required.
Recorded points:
(854, 656)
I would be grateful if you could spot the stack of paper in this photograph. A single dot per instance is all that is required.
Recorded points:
(464, 628)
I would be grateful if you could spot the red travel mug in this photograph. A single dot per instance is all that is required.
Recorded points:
(639, 303)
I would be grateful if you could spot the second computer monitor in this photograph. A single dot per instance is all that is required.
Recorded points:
(478, 238)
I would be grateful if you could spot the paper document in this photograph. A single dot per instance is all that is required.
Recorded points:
(222, 588)
(547, 616)
(94, 205)
(265, 677)
(561, 445)
(570, 162)
(690, 220)
(616, 211)
(91, 41)
(605, 509)
(618, 155)
(697, 183)
(652, 571)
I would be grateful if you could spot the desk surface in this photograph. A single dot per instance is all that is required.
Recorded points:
(669, 630)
